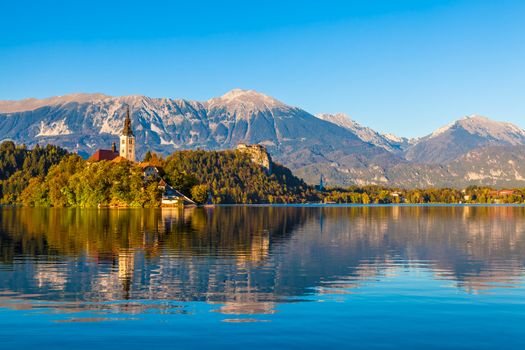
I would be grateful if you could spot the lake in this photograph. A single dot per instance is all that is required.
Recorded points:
(358, 277)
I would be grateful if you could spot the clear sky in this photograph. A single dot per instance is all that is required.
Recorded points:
(401, 66)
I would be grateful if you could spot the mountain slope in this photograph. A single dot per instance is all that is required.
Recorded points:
(456, 139)
(30, 104)
(497, 166)
(389, 142)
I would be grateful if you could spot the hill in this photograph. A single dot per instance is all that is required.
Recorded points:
(232, 177)
(52, 177)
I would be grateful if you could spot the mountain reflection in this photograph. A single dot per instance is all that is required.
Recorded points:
(248, 259)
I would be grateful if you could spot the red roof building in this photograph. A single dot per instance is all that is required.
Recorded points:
(103, 154)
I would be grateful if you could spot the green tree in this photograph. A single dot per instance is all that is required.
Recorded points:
(199, 193)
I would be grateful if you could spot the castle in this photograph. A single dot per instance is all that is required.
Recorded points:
(258, 155)
(126, 148)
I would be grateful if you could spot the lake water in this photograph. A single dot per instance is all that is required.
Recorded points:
(263, 277)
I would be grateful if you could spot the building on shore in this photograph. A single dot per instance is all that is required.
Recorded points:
(149, 170)
(171, 197)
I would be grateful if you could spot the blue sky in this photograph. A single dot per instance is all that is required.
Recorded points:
(403, 66)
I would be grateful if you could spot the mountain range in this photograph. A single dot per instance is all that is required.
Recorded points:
(471, 151)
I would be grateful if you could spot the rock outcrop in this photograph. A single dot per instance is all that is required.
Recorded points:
(258, 155)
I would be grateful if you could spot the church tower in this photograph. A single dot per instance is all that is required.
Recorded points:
(127, 140)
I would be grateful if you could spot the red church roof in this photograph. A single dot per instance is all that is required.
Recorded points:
(103, 154)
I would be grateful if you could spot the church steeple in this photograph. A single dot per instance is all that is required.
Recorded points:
(321, 184)
(127, 131)
(127, 140)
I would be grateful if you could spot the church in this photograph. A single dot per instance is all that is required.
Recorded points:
(170, 196)
(126, 148)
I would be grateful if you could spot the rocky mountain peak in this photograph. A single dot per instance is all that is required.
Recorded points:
(341, 119)
(134, 101)
(246, 100)
(457, 138)
(477, 122)
(394, 138)
(487, 128)
(388, 142)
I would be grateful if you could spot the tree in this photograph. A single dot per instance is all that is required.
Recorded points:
(199, 193)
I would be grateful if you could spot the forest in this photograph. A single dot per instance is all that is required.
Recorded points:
(51, 176)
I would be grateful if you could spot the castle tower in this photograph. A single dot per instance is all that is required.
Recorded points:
(127, 140)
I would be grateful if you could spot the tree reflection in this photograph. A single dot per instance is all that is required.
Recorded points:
(246, 259)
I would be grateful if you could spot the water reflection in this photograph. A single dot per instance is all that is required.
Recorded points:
(246, 259)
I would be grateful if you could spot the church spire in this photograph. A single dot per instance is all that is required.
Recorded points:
(127, 140)
(127, 131)
(321, 184)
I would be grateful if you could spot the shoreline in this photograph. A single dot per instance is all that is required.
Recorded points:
(296, 205)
